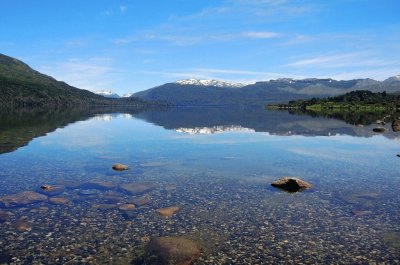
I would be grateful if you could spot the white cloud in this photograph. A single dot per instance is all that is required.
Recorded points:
(91, 74)
(232, 75)
(261, 34)
(339, 60)
(123, 8)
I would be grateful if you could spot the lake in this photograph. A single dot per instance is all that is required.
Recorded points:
(216, 165)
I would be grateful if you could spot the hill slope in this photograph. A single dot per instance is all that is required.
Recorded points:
(273, 91)
(20, 85)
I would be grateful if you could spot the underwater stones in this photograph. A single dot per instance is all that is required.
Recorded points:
(379, 129)
(59, 201)
(98, 185)
(138, 188)
(22, 198)
(127, 207)
(52, 190)
(104, 206)
(120, 167)
(361, 212)
(396, 125)
(392, 239)
(141, 201)
(172, 250)
(4, 216)
(22, 226)
(290, 184)
(168, 211)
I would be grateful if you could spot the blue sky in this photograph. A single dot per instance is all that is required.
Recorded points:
(132, 45)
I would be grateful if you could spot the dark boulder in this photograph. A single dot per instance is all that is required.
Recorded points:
(172, 250)
(291, 184)
(396, 125)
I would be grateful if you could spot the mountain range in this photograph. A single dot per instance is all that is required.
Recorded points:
(22, 86)
(214, 92)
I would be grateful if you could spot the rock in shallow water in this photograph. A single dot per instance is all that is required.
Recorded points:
(138, 188)
(120, 167)
(172, 250)
(289, 184)
(4, 216)
(52, 190)
(379, 129)
(59, 201)
(168, 211)
(396, 125)
(22, 198)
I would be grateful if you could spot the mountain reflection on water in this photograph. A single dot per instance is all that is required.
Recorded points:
(19, 127)
(201, 174)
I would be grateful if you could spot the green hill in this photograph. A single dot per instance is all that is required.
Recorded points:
(21, 86)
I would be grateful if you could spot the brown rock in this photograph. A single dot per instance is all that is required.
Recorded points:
(290, 184)
(52, 190)
(172, 250)
(396, 125)
(22, 198)
(98, 185)
(141, 201)
(59, 201)
(168, 211)
(138, 188)
(127, 207)
(22, 226)
(4, 216)
(120, 167)
(104, 206)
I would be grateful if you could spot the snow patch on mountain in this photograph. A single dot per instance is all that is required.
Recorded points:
(393, 78)
(127, 95)
(106, 93)
(209, 82)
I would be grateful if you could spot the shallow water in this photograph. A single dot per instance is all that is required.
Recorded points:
(217, 166)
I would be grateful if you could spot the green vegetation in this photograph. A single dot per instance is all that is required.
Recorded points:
(21, 86)
(358, 101)
(356, 107)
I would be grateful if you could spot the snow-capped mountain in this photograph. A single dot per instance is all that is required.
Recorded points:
(395, 78)
(209, 82)
(107, 94)
(127, 95)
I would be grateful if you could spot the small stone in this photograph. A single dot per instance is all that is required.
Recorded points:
(120, 167)
(141, 201)
(59, 201)
(52, 190)
(98, 185)
(138, 188)
(168, 211)
(127, 207)
(22, 226)
(4, 216)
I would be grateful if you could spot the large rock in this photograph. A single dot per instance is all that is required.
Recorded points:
(290, 184)
(396, 125)
(138, 188)
(172, 250)
(22, 198)
(120, 167)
